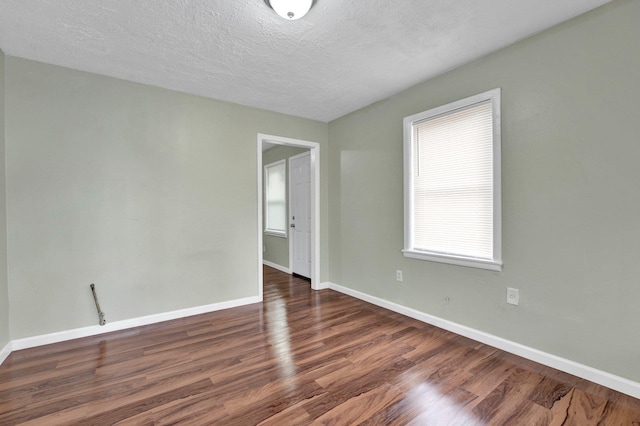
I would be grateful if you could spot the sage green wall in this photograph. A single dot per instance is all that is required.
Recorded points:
(276, 249)
(148, 193)
(4, 286)
(571, 179)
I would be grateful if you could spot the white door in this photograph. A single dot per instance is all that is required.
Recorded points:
(300, 213)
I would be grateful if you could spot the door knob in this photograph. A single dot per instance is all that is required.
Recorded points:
(293, 225)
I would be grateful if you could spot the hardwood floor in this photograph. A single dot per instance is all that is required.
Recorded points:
(301, 357)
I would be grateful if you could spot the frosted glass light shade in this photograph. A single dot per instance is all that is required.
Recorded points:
(291, 9)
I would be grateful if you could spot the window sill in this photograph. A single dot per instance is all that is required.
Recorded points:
(272, 233)
(455, 260)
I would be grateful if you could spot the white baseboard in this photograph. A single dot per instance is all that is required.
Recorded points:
(77, 333)
(5, 352)
(276, 266)
(603, 378)
(322, 286)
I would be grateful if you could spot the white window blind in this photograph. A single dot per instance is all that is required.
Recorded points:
(275, 175)
(452, 199)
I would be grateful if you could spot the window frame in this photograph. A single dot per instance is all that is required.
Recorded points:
(269, 231)
(409, 251)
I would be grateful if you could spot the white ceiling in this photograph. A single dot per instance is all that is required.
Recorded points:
(345, 54)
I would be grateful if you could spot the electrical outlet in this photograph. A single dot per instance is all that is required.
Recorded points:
(513, 296)
(398, 275)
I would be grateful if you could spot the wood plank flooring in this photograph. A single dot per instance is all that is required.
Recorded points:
(301, 357)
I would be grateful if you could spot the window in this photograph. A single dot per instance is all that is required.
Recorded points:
(452, 183)
(275, 216)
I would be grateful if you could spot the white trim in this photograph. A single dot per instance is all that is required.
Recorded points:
(5, 352)
(281, 233)
(323, 286)
(603, 378)
(261, 247)
(454, 260)
(95, 330)
(278, 234)
(276, 266)
(314, 149)
(494, 264)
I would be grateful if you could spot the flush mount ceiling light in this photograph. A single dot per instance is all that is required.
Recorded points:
(290, 9)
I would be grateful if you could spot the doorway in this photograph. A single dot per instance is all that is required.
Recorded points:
(313, 233)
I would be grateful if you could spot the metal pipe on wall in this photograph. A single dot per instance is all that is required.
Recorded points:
(102, 321)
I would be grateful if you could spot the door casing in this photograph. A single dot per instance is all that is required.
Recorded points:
(314, 151)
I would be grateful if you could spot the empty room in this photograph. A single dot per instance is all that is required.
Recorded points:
(292, 212)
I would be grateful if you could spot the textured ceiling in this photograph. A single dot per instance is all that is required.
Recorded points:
(340, 57)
